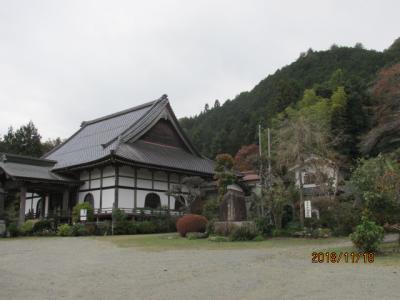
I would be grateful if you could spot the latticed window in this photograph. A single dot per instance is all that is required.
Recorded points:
(152, 201)
(89, 199)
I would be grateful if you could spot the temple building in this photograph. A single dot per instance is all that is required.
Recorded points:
(129, 160)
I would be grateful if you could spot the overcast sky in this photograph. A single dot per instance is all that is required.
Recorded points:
(62, 62)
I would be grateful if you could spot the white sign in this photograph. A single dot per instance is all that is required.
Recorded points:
(307, 208)
(83, 216)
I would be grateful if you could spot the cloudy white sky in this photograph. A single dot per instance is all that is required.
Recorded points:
(62, 62)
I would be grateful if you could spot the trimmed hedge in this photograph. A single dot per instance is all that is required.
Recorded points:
(246, 232)
(43, 227)
(26, 229)
(191, 223)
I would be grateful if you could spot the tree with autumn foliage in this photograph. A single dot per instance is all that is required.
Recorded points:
(247, 158)
(384, 135)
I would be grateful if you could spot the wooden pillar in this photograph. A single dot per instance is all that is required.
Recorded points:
(169, 189)
(65, 201)
(101, 189)
(135, 191)
(2, 200)
(116, 195)
(46, 205)
(22, 203)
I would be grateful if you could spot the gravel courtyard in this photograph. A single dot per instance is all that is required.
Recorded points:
(95, 268)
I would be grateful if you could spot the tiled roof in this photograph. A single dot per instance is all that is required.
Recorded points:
(164, 156)
(22, 167)
(119, 133)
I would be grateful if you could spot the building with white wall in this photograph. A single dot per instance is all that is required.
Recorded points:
(129, 160)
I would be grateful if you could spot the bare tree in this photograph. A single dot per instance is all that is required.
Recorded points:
(296, 139)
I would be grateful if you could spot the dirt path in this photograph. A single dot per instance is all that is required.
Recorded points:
(87, 268)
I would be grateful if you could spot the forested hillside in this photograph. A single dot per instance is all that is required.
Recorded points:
(225, 128)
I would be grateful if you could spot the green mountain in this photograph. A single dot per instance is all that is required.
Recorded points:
(225, 128)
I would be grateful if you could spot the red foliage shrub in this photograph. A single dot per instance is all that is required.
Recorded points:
(191, 223)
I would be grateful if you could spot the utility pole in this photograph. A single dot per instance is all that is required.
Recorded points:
(261, 170)
(269, 156)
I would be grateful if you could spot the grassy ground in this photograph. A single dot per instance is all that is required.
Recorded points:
(164, 242)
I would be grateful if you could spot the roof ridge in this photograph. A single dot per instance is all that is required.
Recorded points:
(84, 123)
(17, 158)
(136, 123)
(122, 112)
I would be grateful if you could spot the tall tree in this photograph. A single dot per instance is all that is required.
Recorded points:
(295, 140)
(247, 158)
(26, 140)
(384, 135)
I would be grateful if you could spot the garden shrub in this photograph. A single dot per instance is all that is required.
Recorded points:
(246, 232)
(367, 236)
(165, 224)
(26, 229)
(76, 212)
(191, 223)
(64, 230)
(341, 218)
(146, 227)
(264, 226)
(13, 230)
(196, 235)
(79, 229)
(224, 228)
(125, 227)
(258, 238)
(211, 209)
(210, 227)
(103, 228)
(43, 227)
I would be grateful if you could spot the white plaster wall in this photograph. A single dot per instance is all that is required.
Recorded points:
(141, 195)
(110, 181)
(95, 184)
(81, 196)
(31, 202)
(126, 171)
(28, 204)
(163, 199)
(35, 202)
(108, 171)
(95, 174)
(142, 183)
(159, 185)
(85, 185)
(96, 197)
(125, 198)
(144, 173)
(108, 198)
(125, 181)
(159, 175)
